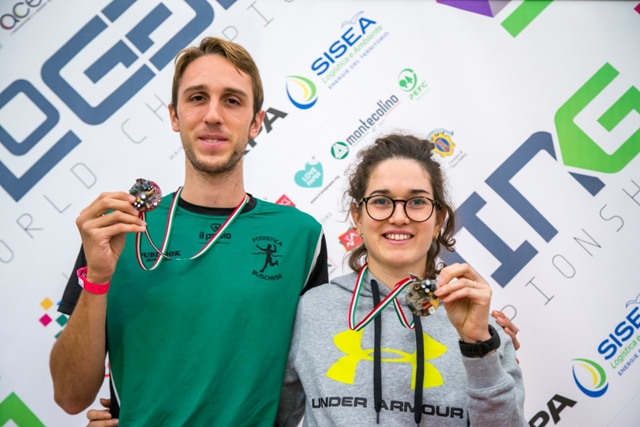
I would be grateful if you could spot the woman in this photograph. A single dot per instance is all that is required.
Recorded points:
(345, 371)
(385, 370)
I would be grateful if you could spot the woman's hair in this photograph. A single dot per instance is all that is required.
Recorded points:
(398, 146)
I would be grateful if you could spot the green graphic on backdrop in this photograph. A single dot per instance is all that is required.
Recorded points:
(13, 409)
(577, 148)
(524, 15)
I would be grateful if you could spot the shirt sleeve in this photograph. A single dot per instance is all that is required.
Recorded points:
(495, 387)
(72, 290)
(320, 271)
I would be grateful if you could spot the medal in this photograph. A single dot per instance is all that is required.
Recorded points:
(147, 194)
(420, 296)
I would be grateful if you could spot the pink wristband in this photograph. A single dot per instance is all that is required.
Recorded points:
(88, 286)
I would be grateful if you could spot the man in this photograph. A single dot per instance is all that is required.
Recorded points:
(192, 340)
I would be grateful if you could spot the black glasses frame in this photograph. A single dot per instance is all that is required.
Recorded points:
(365, 200)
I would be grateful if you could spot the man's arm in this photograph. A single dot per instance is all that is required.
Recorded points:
(77, 358)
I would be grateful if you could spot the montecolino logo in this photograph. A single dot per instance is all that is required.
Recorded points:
(592, 375)
(384, 109)
(301, 92)
(268, 248)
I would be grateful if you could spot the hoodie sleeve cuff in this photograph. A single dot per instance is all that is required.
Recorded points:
(484, 372)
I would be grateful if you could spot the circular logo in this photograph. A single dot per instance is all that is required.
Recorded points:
(407, 79)
(590, 378)
(339, 150)
(301, 92)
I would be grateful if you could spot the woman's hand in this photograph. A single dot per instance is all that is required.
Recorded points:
(101, 417)
(466, 297)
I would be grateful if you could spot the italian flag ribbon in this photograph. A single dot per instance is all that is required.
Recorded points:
(397, 289)
(167, 233)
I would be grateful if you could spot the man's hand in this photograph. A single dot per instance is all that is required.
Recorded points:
(103, 226)
(101, 417)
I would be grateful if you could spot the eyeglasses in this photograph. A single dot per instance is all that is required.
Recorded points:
(417, 209)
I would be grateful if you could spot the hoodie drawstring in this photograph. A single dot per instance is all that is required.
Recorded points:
(417, 397)
(377, 361)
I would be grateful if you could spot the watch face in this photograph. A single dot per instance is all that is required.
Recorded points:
(147, 194)
(420, 297)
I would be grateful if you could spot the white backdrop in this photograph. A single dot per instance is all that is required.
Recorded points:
(534, 106)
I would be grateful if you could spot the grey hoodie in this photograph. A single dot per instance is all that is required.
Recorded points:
(334, 366)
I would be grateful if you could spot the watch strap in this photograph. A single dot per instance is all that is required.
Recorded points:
(481, 348)
(94, 288)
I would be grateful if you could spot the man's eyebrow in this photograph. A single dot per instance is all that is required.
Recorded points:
(231, 90)
(194, 88)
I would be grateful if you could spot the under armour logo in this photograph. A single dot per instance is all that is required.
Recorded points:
(350, 343)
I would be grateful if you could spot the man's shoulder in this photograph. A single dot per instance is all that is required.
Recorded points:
(286, 213)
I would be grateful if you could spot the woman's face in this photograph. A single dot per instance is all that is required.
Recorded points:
(397, 243)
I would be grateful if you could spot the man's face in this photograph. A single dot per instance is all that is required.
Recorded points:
(215, 114)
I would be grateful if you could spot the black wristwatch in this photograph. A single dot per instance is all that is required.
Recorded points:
(481, 348)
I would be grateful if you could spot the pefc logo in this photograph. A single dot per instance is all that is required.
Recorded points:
(407, 79)
(350, 343)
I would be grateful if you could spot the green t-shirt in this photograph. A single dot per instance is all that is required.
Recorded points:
(204, 342)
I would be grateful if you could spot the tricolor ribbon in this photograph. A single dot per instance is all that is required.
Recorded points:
(172, 211)
(397, 289)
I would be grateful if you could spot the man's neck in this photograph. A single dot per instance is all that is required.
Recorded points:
(224, 190)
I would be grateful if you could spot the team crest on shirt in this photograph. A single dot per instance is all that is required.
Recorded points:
(267, 257)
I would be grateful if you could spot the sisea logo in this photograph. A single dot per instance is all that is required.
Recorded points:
(356, 28)
(622, 333)
(593, 375)
(310, 176)
(339, 150)
(301, 92)
(517, 21)
(442, 143)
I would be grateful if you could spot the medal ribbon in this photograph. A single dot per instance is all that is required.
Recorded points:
(167, 233)
(397, 289)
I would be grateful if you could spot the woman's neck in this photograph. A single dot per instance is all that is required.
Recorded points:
(390, 275)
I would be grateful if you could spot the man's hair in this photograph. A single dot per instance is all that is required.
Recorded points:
(233, 52)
